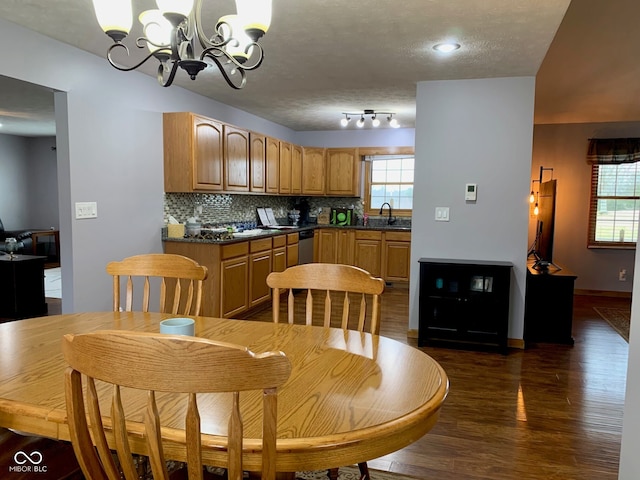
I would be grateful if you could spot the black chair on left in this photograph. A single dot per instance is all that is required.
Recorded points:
(23, 236)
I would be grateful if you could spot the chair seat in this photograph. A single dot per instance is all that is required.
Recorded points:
(57, 457)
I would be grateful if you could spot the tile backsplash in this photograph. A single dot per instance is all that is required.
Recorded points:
(231, 208)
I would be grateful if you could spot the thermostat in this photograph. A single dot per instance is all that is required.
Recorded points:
(471, 192)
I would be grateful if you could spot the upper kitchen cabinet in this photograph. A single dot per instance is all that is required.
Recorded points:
(272, 165)
(193, 153)
(285, 168)
(257, 162)
(296, 169)
(313, 171)
(236, 159)
(343, 172)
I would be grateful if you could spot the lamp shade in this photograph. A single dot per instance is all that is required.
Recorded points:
(255, 16)
(114, 15)
(183, 7)
(241, 41)
(157, 29)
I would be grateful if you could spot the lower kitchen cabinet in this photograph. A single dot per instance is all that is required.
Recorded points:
(237, 279)
(385, 254)
(368, 251)
(464, 303)
(234, 271)
(397, 256)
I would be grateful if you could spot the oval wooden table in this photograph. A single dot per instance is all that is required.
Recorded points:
(351, 396)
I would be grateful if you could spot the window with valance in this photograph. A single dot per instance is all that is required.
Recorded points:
(615, 192)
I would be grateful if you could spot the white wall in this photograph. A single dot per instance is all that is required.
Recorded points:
(473, 131)
(564, 148)
(629, 458)
(43, 185)
(14, 192)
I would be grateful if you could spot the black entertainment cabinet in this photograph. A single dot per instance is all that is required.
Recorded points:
(464, 303)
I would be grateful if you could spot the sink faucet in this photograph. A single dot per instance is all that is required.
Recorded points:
(391, 220)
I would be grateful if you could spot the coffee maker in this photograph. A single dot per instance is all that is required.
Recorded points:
(303, 206)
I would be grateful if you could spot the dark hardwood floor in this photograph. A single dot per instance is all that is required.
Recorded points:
(547, 412)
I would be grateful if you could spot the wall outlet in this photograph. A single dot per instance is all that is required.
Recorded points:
(622, 275)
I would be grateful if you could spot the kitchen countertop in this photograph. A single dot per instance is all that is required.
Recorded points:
(272, 233)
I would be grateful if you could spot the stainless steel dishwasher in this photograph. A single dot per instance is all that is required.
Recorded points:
(305, 247)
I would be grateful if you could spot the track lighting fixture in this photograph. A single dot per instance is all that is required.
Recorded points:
(375, 121)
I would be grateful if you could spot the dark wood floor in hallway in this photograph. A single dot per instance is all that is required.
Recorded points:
(547, 412)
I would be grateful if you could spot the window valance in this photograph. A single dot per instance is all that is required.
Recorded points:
(613, 150)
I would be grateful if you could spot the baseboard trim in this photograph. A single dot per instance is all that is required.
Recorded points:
(602, 293)
(515, 343)
(412, 333)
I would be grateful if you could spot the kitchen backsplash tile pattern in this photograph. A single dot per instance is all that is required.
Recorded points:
(227, 208)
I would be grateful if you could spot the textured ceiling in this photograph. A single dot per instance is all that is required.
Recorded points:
(324, 57)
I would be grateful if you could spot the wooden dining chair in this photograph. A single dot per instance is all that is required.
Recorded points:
(180, 282)
(330, 282)
(164, 363)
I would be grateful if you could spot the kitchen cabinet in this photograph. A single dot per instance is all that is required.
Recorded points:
(397, 256)
(385, 254)
(464, 303)
(236, 159)
(257, 162)
(313, 171)
(368, 251)
(326, 246)
(285, 168)
(193, 153)
(345, 247)
(272, 164)
(296, 170)
(279, 253)
(260, 262)
(343, 172)
(234, 271)
(292, 249)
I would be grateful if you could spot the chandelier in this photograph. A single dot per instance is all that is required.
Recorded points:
(375, 121)
(172, 32)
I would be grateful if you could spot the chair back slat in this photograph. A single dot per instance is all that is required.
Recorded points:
(167, 363)
(327, 309)
(194, 447)
(154, 438)
(120, 433)
(330, 279)
(177, 274)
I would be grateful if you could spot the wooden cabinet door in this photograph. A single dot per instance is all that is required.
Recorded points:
(368, 252)
(296, 169)
(234, 295)
(279, 259)
(236, 159)
(272, 165)
(327, 246)
(344, 253)
(397, 261)
(259, 269)
(207, 154)
(285, 168)
(313, 171)
(343, 172)
(257, 162)
(292, 255)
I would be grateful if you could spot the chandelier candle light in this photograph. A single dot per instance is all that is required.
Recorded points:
(172, 32)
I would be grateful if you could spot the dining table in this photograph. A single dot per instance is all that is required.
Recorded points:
(351, 397)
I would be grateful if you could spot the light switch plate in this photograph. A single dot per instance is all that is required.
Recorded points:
(442, 214)
(86, 210)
